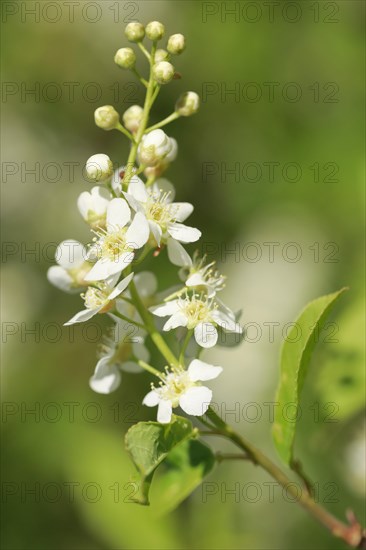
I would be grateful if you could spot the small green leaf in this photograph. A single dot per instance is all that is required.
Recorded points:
(149, 444)
(187, 465)
(295, 358)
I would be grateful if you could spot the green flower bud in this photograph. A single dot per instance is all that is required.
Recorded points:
(125, 58)
(132, 118)
(155, 30)
(106, 117)
(176, 44)
(161, 55)
(187, 104)
(135, 31)
(99, 167)
(163, 72)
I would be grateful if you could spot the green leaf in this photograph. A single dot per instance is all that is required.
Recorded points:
(187, 465)
(149, 444)
(295, 358)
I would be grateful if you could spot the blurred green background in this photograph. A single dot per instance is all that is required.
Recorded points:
(70, 450)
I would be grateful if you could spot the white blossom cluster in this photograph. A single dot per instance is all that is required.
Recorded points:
(129, 219)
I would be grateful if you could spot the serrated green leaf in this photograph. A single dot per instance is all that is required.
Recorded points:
(295, 358)
(149, 444)
(186, 467)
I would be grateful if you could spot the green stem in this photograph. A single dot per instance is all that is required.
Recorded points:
(149, 368)
(141, 79)
(184, 346)
(144, 50)
(352, 534)
(123, 130)
(150, 327)
(145, 118)
(164, 122)
(124, 318)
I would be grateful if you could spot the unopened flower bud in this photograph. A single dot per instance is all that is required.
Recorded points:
(99, 167)
(156, 147)
(106, 117)
(163, 72)
(188, 104)
(155, 30)
(125, 58)
(176, 44)
(161, 55)
(132, 118)
(135, 31)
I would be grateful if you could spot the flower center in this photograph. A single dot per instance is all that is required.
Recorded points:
(159, 210)
(114, 244)
(96, 297)
(174, 384)
(196, 311)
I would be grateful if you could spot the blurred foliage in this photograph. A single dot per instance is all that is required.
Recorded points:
(49, 373)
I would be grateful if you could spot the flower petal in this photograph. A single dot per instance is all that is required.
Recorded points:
(176, 320)
(132, 367)
(106, 377)
(156, 231)
(205, 335)
(176, 253)
(138, 233)
(162, 310)
(118, 215)
(182, 210)
(164, 412)
(137, 189)
(151, 399)
(163, 186)
(226, 322)
(196, 400)
(146, 283)
(199, 370)
(195, 279)
(70, 254)
(122, 285)
(59, 277)
(184, 233)
(105, 267)
(82, 316)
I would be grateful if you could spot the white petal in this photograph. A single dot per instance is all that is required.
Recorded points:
(59, 277)
(105, 267)
(138, 233)
(132, 367)
(84, 204)
(163, 185)
(82, 316)
(164, 412)
(176, 320)
(226, 322)
(151, 399)
(156, 231)
(137, 189)
(136, 205)
(196, 400)
(116, 179)
(146, 283)
(106, 377)
(182, 210)
(70, 254)
(122, 285)
(184, 233)
(195, 280)
(100, 199)
(199, 370)
(176, 253)
(169, 308)
(205, 335)
(118, 214)
(140, 350)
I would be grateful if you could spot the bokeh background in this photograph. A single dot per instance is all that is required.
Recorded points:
(65, 469)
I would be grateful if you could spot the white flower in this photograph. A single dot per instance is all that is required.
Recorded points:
(72, 267)
(203, 277)
(120, 351)
(93, 206)
(182, 388)
(199, 313)
(117, 179)
(155, 147)
(164, 217)
(117, 243)
(99, 167)
(100, 299)
(132, 118)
